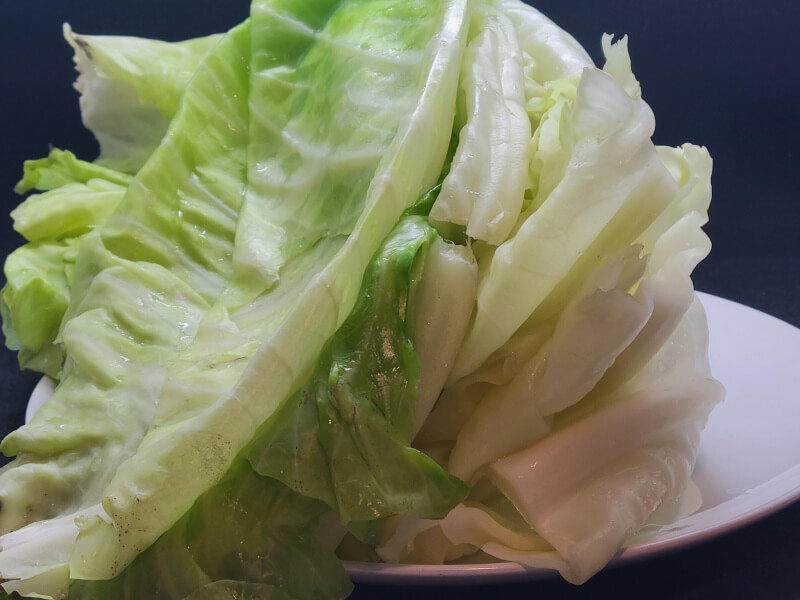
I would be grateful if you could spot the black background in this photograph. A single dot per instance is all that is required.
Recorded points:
(719, 73)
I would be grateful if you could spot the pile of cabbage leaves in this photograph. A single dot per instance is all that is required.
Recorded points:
(387, 280)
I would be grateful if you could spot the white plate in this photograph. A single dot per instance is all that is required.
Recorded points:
(748, 464)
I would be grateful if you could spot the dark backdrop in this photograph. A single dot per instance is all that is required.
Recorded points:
(719, 73)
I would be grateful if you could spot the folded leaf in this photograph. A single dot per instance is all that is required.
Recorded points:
(129, 316)
(344, 436)
(182, 457)
(485, 186)
(130, 90)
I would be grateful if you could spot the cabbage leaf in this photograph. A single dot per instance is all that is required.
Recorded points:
(410, 269)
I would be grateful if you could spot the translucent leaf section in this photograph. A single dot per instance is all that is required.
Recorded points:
(550, 52)
(130, 89)
(328, 95)
(484, 189)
